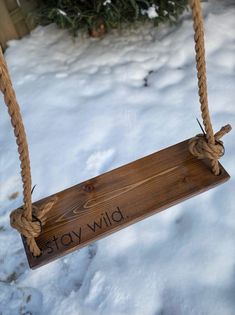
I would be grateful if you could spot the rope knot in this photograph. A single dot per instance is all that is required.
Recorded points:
(200, 147)
(23, 225)
(31, 228)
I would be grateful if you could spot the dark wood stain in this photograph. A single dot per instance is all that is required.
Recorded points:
(121, 197)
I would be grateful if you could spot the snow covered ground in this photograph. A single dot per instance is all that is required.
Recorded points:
(89, 106)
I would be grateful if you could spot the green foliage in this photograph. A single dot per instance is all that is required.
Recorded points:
(89, 14)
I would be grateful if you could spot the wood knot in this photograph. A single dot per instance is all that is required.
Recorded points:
(88, 187)
(186, 179)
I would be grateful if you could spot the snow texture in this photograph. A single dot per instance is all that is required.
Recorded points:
(90, 105)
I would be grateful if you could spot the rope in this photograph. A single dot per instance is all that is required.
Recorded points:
(204, 146)
(26, 221)
(29, 220)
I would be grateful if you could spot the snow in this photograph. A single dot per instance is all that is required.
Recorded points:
(107, 2)
(151, 12)
(90, 105)
(61, 12)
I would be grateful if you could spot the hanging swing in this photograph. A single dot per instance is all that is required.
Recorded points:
(82, 214)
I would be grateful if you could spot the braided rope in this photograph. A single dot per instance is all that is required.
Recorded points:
(19, 131)
(22, 218)
(201, 146)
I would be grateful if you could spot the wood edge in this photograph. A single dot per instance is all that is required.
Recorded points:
(225, 177)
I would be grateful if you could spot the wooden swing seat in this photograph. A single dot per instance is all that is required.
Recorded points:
(107, 203)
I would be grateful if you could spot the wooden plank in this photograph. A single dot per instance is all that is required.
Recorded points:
(15, 21)
(18, 18)
(17, 15)
(109, 202)
(7, 28)
(11, 5)
(22, 28)
(23, 17)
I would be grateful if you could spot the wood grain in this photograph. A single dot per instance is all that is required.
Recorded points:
(102, 205)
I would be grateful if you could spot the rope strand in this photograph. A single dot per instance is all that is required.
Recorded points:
(19, 131)
(200, 146)
(22, 218)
